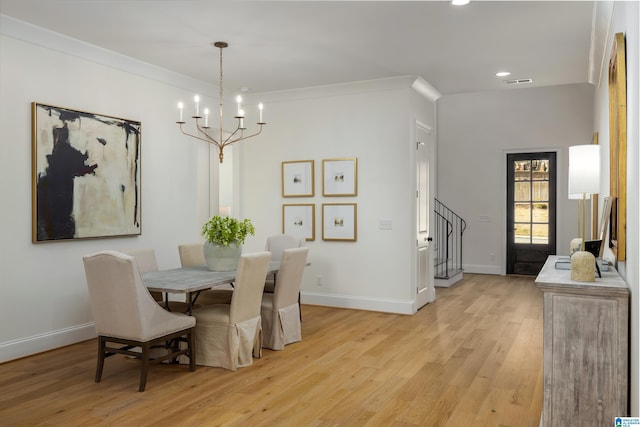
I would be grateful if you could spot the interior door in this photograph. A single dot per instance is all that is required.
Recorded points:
(425, 287)
(531, 211)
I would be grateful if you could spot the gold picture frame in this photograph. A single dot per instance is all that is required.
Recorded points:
(298, 178)
(595, 224)
(299, 220)
(618, 147)
(340, 177)
(340, 222)
(86, 179)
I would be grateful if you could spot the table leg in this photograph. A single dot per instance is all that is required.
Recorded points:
(192, 300)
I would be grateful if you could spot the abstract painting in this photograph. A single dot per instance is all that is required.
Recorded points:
(85, 175)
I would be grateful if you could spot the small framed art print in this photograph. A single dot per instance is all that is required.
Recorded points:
(299, 220)
(297, 178)
(339, 221)
(340, 177)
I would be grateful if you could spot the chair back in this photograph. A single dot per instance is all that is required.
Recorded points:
(191, 254)
(289, 277)
(146, 259)
(120, 303)
(278, 243)
(249, 285)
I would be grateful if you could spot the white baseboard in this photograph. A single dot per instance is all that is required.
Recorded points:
(27, 346)
(356, 302)
(447, 283)
(483, 269)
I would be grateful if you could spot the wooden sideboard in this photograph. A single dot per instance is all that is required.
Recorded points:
(585, 348)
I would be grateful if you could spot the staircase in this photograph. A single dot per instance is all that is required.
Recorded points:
(449, 228)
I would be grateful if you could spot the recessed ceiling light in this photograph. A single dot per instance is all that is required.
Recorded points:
(459, 2)
(503, 74)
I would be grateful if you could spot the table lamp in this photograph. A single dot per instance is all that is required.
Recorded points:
(584, 178)
(576, 244)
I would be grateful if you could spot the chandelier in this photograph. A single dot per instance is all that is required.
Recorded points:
(204, 134)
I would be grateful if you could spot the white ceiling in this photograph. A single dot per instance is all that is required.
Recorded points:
(279, 45)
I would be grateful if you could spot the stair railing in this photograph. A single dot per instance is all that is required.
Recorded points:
(449, 228)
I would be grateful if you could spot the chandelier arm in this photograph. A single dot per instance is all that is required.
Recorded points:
(203, 131)
(207, 139)
(225, 143)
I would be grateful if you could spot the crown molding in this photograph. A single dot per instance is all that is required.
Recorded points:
(48, 39)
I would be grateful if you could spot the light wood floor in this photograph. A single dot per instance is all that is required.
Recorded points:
(472, 358)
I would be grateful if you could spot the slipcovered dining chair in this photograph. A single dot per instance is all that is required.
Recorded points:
(276, 245)
(192, 255)
(229, 335)
(126, 314)
(146, 260)
(280, 310)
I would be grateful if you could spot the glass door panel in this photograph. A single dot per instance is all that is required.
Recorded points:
(530, 211)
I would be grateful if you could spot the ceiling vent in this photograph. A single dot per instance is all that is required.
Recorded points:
(518, 81)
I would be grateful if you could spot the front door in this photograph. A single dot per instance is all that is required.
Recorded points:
(531, 211)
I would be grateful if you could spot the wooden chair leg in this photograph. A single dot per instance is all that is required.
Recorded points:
(100, 364)
(192, 349)
(144, 369)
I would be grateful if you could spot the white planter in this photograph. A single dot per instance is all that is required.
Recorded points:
(222, 258)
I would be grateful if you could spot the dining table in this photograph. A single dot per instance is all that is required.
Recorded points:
(190, 281)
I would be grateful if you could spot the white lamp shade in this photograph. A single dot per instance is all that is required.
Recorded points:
(584, 169)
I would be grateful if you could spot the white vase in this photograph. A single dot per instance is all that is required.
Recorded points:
(220, 257)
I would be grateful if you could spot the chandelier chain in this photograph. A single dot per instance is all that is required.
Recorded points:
(221, 85)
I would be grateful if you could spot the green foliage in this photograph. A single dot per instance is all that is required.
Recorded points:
(225, 230)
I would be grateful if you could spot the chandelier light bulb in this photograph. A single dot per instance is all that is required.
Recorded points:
(197, 101)
(239, 101)
(260, 107)
(180, 107)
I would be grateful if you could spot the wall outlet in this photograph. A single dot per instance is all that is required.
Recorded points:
(385, 224)
(319, 281)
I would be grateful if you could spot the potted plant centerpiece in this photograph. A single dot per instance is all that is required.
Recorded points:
(224, 237)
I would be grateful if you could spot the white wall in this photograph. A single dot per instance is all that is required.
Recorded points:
(44, 293)
(372, 121)
(45, 302)
(625, 18)
(477, 130)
